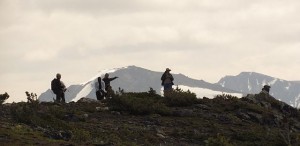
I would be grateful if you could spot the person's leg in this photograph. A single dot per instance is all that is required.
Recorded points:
(101, 96)
(63, 97)
(108, 91)
(98, 95)
(167, 89)
(57, 97)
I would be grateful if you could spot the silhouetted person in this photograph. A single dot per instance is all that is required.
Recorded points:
(266, 92)
(107, 81)
(265, 89)
(100, 89)
(58, 88)
(167, 81)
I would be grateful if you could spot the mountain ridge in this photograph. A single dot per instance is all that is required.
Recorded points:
(137, 79)
(252, 82)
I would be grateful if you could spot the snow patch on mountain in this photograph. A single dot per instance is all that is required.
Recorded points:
(87, 89)
(272, 82)
(102, 73)
(288, 87)
(222, 84)
(297, 101)
(201, 92)
(249, 85)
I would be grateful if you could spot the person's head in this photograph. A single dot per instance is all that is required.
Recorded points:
(106, 75)
(266, 88)
(58, 76)
(168, 70)
(99, 79)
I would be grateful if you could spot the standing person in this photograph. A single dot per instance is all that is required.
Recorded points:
(107, 81)
(58, 87)
(100, 91)
(167, 81)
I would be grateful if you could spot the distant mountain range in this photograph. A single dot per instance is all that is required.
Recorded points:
(251, 82)
(137, 79)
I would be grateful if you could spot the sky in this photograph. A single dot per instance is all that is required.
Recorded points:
(203, 39)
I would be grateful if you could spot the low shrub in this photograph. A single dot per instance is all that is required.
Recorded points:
(218, 141)
(23, 113)
(138, 103)
(226, 97)
(180, 98)
(80, 135)
(31, 114)
(3, 97)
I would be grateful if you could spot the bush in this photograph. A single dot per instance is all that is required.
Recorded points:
(226, 97)
(138, 103)
(23, 113)
(28, 113)
(80, 135)
(180, 98)
(226, 102)
(3, 97)
(31, 97)
(151, 93)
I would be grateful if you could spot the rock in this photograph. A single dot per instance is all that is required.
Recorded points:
(102, 108)
(160, 132)
(250, 98)
(266, 104)
(202, 106)
(242, 115)
(277, 118)
(224, 119)
(255, 117)
(98, 108)
(71, 117)
(160, 135)
(86, 100)
(59, 135)
(115, 113)
(296, 127)
(85, 115)
(184, 113)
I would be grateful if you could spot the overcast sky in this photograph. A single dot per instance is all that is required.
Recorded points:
(203, 39)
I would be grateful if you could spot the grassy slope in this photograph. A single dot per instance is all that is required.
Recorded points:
(140, 119)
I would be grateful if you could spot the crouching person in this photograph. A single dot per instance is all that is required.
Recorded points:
(59, 89)
(100, 89)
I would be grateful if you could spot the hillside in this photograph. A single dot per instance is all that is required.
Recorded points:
(149, 119)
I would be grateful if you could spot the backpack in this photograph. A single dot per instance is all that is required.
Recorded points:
(53, 85)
